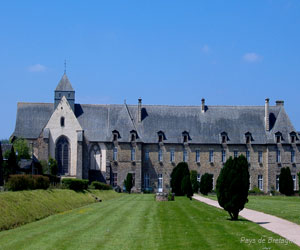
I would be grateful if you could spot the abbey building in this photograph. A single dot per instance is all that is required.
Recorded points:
(105, 142)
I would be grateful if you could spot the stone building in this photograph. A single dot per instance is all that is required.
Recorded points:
(105, 142)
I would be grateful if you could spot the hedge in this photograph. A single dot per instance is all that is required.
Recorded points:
(20, 182)
(75, 184)
(100, 185)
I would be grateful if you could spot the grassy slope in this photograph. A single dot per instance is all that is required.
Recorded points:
(17, 208)
(138, 222)
(285, 207)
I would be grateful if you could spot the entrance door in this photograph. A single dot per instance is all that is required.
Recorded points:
(160, 183)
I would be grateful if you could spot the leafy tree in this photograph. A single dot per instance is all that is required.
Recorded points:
(11, 166)
(21, 146)
(128, 182)
(286, 185)
(4, 141)
(45, 167)
(206, 183)
(233, 185)
(1, 167)
(195, 183)
(177, 176)
(53, 166)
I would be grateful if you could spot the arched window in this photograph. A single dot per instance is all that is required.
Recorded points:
(62, 121)
(62, 155)
(95, 158)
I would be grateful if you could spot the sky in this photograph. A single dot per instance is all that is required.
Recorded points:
(166, 52)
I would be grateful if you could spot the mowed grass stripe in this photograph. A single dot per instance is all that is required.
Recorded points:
(139, 222)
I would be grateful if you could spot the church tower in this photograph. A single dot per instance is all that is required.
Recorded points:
(64, 88)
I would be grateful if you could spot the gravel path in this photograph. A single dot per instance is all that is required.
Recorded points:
(284, 228)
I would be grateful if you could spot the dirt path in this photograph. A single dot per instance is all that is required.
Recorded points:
(284, 228)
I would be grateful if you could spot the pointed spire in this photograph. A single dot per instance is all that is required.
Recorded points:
(64, 84)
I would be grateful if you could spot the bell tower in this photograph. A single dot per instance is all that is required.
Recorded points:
(64, 88)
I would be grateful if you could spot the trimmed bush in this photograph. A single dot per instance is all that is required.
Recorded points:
(186, 186)
(100, 185)
(128, 182)
(194, 182)
(27, 182)
(255, 190)
(206, 183)
(179, 184)
(233, 186)
(75, 184)
(286, 184)
(299, 181)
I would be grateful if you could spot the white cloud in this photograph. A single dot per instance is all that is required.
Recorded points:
(205, 49)
(252, 57)
(37, 68)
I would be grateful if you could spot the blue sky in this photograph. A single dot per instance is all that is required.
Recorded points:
(167, 52)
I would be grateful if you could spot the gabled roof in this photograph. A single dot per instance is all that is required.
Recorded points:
(64, 84)
(98, 122)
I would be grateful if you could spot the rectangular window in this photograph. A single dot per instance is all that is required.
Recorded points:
(185, 155)
(198, 177)
(278, 157)
(160, 155)
(248, 155)
(294, 181)
(223, 156)
(259, 156)
(172, 155)
(133, 154)
(235, 153)
(197, 155)
(146, 181)
(211, 156)
(133, 179)
(115, 179)
(260, 182)
(277, 182)
(147, 155)
(160, 183)
(115, 155)
(293, 156)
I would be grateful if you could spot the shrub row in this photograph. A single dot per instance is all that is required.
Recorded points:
(75, 184)
(100, 186)
(20, 182)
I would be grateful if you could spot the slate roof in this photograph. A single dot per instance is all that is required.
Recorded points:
(98, 122)
(64, 84)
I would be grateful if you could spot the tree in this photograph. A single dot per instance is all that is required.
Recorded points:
(233, 185)
(1, 166)
(286, 184)
(53, 166)
(11, 166)
(299, 181)
(177, 176)
(186, 186)
(206, 183)
(195, 183)
(128, 182)
(21, 146)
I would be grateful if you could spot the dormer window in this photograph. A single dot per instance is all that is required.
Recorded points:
(161, 136)
(224, 137)
(185, 137)
(133, 135)
(62, 121)
(248, 137)
(293, 137)
(116, 135)
(278, 137)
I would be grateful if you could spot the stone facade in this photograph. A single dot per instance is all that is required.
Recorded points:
(106, 142)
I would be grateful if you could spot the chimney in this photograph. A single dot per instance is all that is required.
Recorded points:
(203, 105)
(279, 103)
(140, 110)
(267, 123)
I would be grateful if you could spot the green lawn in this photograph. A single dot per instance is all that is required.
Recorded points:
(282, 206)
(138, 222)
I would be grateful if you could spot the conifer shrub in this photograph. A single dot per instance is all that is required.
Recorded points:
(286, 184)
(233, 185)
(194, 182)
(75, 184)
(100, 185)
(128, 182)
(299, 182)
(206, 183)
(180, 180)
